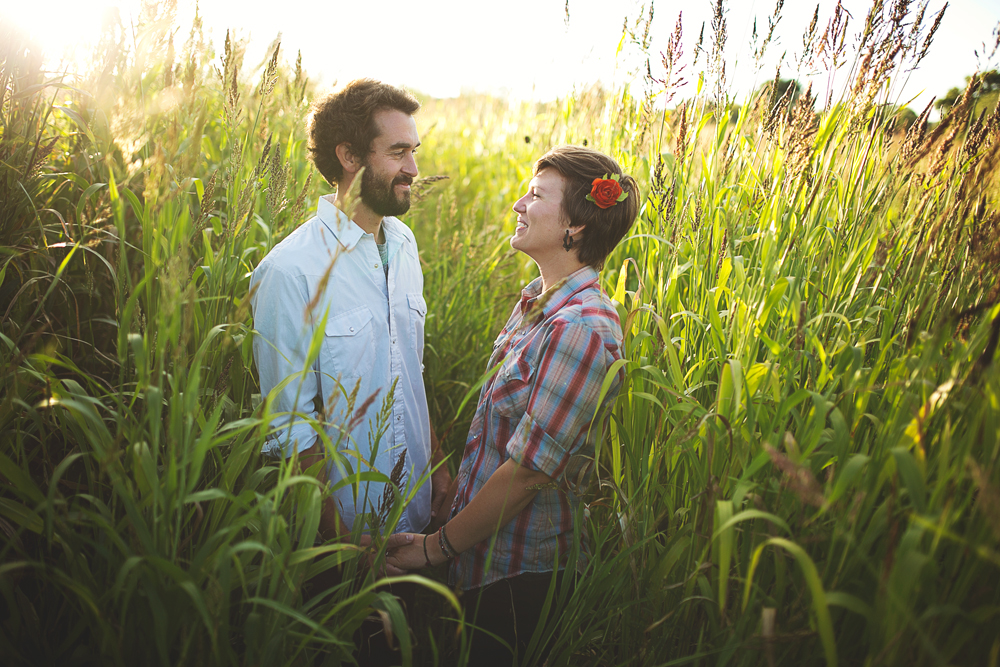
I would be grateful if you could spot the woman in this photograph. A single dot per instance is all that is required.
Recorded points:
(531, 443)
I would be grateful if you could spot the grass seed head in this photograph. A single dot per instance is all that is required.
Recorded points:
(925, 47)
(797, 478)
(680, 148)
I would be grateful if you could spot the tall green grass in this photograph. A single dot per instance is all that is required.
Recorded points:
(802, 467)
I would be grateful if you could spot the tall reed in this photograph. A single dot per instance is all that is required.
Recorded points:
(803, 465)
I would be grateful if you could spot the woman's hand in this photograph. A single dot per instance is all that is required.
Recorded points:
(414, 555)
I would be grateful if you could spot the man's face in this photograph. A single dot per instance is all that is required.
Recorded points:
(391, 165)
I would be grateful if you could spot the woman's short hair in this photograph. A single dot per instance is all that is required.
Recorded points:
(603, 228)
(348, 115)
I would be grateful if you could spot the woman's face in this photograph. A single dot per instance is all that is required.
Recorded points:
(540, 223)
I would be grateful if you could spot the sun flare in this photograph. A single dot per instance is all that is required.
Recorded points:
(60, 27)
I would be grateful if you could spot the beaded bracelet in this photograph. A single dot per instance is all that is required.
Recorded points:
(445, 546)
(447, 542)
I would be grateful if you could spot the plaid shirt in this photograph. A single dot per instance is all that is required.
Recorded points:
(537, 409)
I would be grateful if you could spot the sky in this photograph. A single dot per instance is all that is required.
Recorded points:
(522, 48)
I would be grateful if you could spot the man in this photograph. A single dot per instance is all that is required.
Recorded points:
(349, 281)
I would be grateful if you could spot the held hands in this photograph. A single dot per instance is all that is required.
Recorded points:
(393, 543)
(422, 551)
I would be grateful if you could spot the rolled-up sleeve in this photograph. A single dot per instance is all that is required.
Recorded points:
(564, 399)
(281, 349)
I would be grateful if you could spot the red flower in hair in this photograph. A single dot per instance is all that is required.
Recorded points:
(606, 192)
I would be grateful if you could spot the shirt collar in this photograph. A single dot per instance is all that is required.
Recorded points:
(559, 294)
(346, 230)
(349, 232)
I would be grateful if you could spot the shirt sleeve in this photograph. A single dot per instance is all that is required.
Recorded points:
(280, 348)
(564, 399)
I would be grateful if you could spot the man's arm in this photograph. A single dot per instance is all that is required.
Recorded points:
(443, 487)
(331, 526)
(283, 330)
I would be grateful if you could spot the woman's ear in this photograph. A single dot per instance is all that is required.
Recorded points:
(347, 159)
(576, 229)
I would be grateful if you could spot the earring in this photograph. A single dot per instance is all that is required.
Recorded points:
(567, 242)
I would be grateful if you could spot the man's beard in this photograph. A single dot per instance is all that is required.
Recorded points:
(379, 193)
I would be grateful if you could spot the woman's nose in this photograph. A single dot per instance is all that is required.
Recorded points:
(518, 206)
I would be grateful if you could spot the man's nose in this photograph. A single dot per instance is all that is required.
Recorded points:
(410, 165)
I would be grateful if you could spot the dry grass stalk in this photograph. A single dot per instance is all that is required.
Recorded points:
(699, 46)
(777, 106)
(390, 490)
(954, 117)
(680, 148)
(809, 41)
(803, 128)
(797, 478)
(300, 201)
(915, 136)
(930, 35)
(987, 496)
(205, 206)
(982, 134)
(831, 44)
(717, 63)
(913, 36)
(277, 182)
(772, 23)
(673, 77)
(270, 77)
(422, 186)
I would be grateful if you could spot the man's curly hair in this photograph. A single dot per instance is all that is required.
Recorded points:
(348, 115)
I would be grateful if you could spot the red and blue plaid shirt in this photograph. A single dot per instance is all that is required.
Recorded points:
(537, 409)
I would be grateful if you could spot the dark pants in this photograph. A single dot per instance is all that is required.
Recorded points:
(511, 610)
(371, 639)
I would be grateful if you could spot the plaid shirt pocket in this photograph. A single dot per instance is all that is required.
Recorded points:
(512, 388)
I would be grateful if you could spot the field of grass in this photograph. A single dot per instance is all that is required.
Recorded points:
(803, 467)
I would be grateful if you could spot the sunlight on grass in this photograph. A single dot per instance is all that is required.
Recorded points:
(803, 465)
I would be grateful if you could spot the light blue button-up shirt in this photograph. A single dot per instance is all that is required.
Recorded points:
(326, 282)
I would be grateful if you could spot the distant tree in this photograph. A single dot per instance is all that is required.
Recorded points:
(947, 101)
(903, 118)
(892, 118)
(781, 90)
(989, 83)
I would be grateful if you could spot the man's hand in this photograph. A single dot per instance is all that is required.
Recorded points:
(392, 543)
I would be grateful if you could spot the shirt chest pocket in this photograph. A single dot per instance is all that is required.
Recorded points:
(348, 347)
(418, 316)
(512, 387)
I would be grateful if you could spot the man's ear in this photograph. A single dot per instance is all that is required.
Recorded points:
(348, 161)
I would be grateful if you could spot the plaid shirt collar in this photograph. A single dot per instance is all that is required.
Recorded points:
(558, 294)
